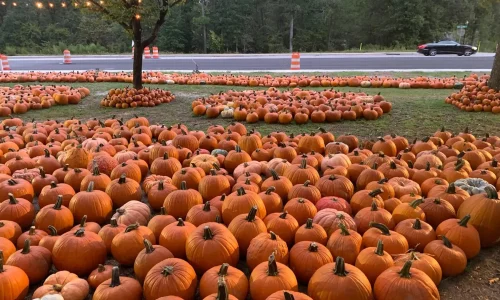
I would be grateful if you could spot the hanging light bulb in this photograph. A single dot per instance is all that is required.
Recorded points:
(101, 2)
(51, 5)
(76, 4)
(14, 4)
(3, 3)
(138, 17)
(39, 5)
(63, 4)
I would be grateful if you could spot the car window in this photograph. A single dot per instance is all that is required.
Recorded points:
(448, 43)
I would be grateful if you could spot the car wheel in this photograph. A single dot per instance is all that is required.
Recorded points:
(432, 52)
(460, 54)
(468, 52)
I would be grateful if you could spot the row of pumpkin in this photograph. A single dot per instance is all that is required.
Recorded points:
(152, 77)
(20, 99)
(317, 210)
(476, 98)
(300, 106)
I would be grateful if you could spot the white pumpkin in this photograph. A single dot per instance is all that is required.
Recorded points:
(170, 81)
(366, 83)
(51, 297)
(473, 186)
(228, 113)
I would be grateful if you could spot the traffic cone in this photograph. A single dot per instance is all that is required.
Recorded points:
(156, 55)
(5, 63)
(147, 53)
(67, 57)
(295, 61)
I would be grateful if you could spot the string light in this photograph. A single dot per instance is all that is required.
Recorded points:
(76, 4)
(3, 3)
(39, 5)
(138, 17)
(14, 4)
(63, 4)
(101, 2)
(51, 5)
(88, 3)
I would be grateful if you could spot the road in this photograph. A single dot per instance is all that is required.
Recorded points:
(262, 62)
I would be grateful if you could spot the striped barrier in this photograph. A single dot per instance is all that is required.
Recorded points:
(67, 57)
(295, 65)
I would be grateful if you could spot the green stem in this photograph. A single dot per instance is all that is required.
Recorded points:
(446, 242)
(270, 190)
(12, 199)
(251, 214)
(26, 247)
(58, 204)
(309, 223)
(313, 247)
(375, 192)
(131, 227)
(416, 203)
(340, 267)
(52, 230)
(405, 271)
(180, 222)
(115, 277)
(381, 227)
(464, 221)
(206, 206)
(380, 248)
(417, 225)
(223, 269)
(272, 266)
(207, 233)
(149, 247)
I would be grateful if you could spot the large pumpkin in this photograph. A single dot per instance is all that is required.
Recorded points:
(270, 277)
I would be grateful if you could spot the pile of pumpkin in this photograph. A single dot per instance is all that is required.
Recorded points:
(385, 219)
(131, 97)
(293, 80)
(20, 99)
(476, 97)
(284, 107)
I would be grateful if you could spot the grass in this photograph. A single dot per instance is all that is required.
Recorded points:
(415, 114)
(357, 73)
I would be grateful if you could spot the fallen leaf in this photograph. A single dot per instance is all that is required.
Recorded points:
(494, 280)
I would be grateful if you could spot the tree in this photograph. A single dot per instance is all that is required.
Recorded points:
(133, 16)
(494, 81)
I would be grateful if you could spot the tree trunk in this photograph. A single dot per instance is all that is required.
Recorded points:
(138, 50)
(291, 34)
(494, 81)
(204, 26)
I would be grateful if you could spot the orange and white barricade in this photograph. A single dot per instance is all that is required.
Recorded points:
(156, 55)
(295, 65)
(147, 53)
(4, 63)
(67, 56)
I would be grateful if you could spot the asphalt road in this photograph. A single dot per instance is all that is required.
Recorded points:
(263, 62)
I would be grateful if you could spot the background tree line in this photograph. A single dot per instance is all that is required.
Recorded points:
(256, 26)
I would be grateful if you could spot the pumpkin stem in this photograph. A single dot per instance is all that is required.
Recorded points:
(169, 270)
(405, 271)
(58, 204)
(381, 227)
(12, 199)
(416, 203)
(374, 206)
(52, 230)
(270, 190)
(274, 174)
(241, 191)
(491, 192)
(95, 170)
(313, 247)
(101, 268)
(273, 235)
(284, 214)
(123, 178)
(392, 164)
(132, 227)
(451, 189)
(1, 262)
(183, 186)
(446, 242)
(428, 166)
(149, 246)
(206, 206)
(383, 180)
(375, 166)
(343, 230)
(207, 233)
(464, 221)
(113, 222)
(163, 211)
(180, 222)
(303, 164)
(47, 153)
(53, 184)
(376, 192)
(380, 248)
(83, 221)
(494, 163)
(218, 219)
(306, 184)
(437, 201)
(26, 247)
(223, 269)
(222, 292)
(272, 269)
(237, 148)
(90, 188)
(340, 267)
(115, 277)
(79, 232)
(417, 225)
(309, 223)
(212, 172)
(251, 214)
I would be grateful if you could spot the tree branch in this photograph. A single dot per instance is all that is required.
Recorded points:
(161, 19)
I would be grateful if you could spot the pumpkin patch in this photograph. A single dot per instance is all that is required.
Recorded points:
(184, 210)
(130, 97)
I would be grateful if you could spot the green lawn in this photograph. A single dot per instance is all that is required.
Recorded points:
(416, 113)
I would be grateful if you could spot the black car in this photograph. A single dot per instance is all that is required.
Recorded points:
(446, 47)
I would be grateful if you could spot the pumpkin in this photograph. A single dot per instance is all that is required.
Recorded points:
(437, 211)
(148, 258)
(33, 234)
(126, 245)
(20, 188)
(335, 203)
(387, 189)
(484, 210)
(271, 200)
(94, 204)
(417, 233)
(372, 261)
(213, 185)
(174, 236)
(311, 232)
(462, 234)
(17, 210)
(35, 261)
(301, 209)
(99, 275)
(406, 282)
(372, 214)
(158, 192)
(282, 224)
(365, 198)
(269, 277)
(408, 211)
(324, 282)
(451, 258)
(208, 238)
(423, 262)
(58, 216)
(118, 287)
(288, 295)
(281, 184)
(346, 243)
(173, 277)
(39, 182)
(454, 195)
(123, 190)
(330, 219)
(63, 284)
(235, 158)
(235, 280)
(86, 245)
(101, 181)
(306, 257)
(262, 246)
(298, 174)
(240, 202)
(160, 221)
(74, 178)
(394, 242)
(50, 193)
(369, 175)
(473, 186)
(245, 228)
(336, 186)
(222, 291)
